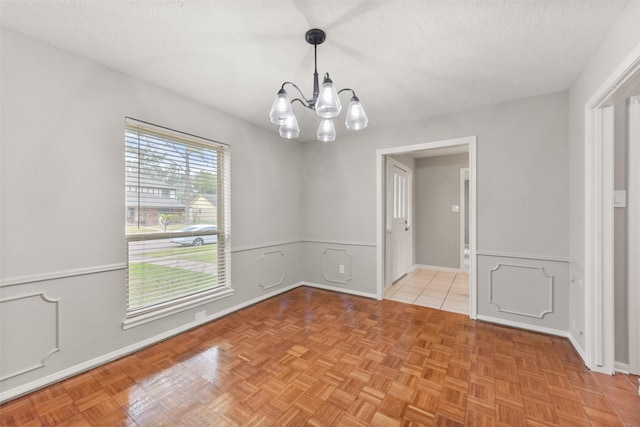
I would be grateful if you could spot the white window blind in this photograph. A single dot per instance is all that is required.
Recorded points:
(177, 218)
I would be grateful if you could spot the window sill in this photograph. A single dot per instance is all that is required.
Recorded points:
(169, 311)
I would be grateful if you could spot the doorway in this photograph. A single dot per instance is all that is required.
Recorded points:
(599, 221)
(384, 273)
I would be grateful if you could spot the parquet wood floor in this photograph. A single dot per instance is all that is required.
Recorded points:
(318, 358)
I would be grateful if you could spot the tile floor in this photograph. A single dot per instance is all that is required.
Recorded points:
(444, 290)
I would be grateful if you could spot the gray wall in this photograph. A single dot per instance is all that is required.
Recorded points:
(618, 44)
(437, 228)
(620, 234)
(523, 196)
(62, 247)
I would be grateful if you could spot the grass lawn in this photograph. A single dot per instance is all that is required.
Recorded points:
(133, 229)
(205, 253)
(152, 283)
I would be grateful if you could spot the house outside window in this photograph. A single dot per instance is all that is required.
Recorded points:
(178, 247)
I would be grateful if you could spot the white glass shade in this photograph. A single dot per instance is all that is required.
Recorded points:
(290, 129)
(356, 117)
(326, 131)
(281, 109)
(328, 104)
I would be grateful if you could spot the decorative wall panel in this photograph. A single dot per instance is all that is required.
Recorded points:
(336, 265)
(272, 269)
(30, 331)
(522, 290)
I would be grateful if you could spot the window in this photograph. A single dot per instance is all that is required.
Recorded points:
(174, 262)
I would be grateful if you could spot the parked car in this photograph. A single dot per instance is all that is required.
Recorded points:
(198, 239)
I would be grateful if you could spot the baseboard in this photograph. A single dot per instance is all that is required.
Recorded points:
(341, 290)
(577, 348)
(622, 368)
(435, 267)
(525, 326)
(117, 354)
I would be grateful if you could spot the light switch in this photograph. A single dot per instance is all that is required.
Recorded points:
(619, 199)
(455, 208)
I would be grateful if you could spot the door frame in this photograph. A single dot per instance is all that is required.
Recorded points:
(381, 154)
(633, 233)
(598, 261)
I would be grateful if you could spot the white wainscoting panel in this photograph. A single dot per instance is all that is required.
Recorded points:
(30, 329)
(272, 269)
(522, 290)
(336, 265)
(322, 261)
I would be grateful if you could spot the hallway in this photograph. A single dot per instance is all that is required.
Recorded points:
(442, 290)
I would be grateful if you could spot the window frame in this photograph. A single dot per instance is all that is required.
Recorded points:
(142, 315)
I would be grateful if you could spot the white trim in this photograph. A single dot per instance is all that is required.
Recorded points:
(604, 312)
(633, 234)
(523, 256)
(151, 316)
(326, 242)
(295, 242)
(524, 326)
(264, 245)
(101, 360)
(473, 222)
(435, 267)
(63, 274)
(381, 225)
(550, 282)
(576, 347)
(623, 74)
(282, 277)
(599, 307)
(323, 269)
(576, 264)
(426, 146)
(471, 142)
(55, 349)
(622, 368)
(340, 290)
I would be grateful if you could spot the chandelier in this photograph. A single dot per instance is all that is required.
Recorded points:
(325, 102)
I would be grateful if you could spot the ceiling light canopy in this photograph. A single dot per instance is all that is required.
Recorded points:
(325, 102)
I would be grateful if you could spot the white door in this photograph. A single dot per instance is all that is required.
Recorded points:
(398, 214)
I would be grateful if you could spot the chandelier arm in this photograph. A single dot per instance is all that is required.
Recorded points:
(305, 103)
(353, 92)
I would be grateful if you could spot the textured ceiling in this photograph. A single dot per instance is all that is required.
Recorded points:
(406, 59)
